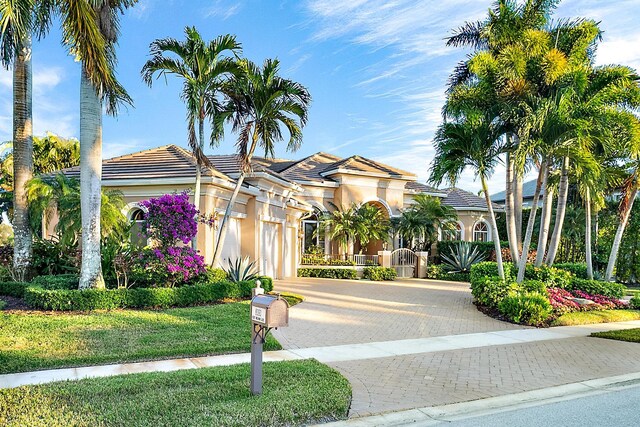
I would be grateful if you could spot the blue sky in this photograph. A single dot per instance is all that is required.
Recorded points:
(376, 70)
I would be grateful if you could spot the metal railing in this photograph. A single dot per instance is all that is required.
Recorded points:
(339, 260)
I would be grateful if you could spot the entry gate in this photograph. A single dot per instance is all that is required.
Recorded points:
(404, 262)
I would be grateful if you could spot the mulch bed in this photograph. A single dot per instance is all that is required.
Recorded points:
(14, 303)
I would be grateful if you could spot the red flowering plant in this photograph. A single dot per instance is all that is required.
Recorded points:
(561, 301)
(170, 221)
(601, 300)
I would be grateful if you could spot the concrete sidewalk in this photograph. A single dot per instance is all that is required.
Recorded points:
(352, 353)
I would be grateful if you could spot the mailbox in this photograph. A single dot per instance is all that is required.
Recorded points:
(269, 311)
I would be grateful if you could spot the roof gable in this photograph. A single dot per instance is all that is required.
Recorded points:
(358, 164)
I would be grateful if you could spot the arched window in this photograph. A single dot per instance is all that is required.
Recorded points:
(136, 217)
(312, 235)
(481, 232)
(455, 234)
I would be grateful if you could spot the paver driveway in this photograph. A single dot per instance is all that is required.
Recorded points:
(349, 312)
(338, 312)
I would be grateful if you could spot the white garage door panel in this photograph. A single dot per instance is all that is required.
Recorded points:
(231, 245)
(270, 249)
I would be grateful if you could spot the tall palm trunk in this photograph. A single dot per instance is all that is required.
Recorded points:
(587, 234)
(563, 191)
(530, 224)
(494, 227)
(196, 191)
(509, 211)
(517, 207)
(22, 159)
(624, 220)
(545, 219)
(225, 220)
(90, 183)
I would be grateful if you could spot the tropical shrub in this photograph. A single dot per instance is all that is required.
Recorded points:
(603, 301)
(635, 302)
(530, 285)
(169, 218)
(379, 273)
(597, 287)
(53, 257)
(488, 269)
(551, 276)
(13, 289)
(58, 281)
(434, 271)
(453, 276)
(487, 248)
(107, 299)
(490, 290)
(312, 259)
(577, 269)
(561, 301)
(210, 275)
(529, 308)
(166, 267)
(3, 305)
(329, 273)
(461, 257)
(241, 269)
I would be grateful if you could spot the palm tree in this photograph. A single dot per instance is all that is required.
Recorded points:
(470, 142)
(420, 223)
(370, 225)
(204, 67)
(259, 103)
(61, 194)
(97, 84)
(342, 226)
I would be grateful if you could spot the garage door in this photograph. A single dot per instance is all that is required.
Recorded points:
(231, 245)
(270, 249)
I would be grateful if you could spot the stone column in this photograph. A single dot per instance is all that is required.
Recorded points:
(421, 267)
(384, 258)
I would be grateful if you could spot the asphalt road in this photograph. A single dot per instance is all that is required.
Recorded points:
(616, 408)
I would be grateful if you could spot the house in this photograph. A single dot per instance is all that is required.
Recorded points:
(528, 191)
(279, 206)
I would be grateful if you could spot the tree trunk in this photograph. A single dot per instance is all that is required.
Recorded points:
(22, 160)
(563, 190)
(196, 191)
(545, 220)
(494, 228)
(509, 211)
(90, 183)
(517, 207)
(225, 222)
(587, 234)
(613, 256)
(530, 224)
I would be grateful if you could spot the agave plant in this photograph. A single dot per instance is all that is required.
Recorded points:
(461, 257)
(241, 269)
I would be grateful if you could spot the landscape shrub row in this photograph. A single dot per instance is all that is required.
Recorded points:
(544, 292)
(329, 273)
(379, 273)
(106, 299)
(321, 260)
(436, 271)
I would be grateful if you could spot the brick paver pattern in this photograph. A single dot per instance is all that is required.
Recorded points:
(350, 312)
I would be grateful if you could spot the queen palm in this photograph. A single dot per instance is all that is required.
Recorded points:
(97, 84)
(260, 102)
(203, 67)
(470, 142)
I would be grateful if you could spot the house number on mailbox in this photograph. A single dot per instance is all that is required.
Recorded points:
(258, 314)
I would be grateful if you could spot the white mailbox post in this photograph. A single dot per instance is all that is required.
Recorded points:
(267, 312)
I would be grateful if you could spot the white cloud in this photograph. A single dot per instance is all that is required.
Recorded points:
(222, 9)
(114, 148)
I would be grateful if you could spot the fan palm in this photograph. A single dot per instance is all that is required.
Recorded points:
(259, 103)
(470, 142)
(203, 67)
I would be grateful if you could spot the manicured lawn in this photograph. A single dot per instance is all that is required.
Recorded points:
(36, 340)
(632, 335)
(294, 393)
(589, 317)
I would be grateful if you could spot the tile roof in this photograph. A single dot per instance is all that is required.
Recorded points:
(528, 190)
(422, 188)
(361, 164)
(168, 161)
(230, 165)
(458, 198)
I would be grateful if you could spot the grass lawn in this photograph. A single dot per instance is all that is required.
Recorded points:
(294, 393)
(38, 340)
(632, 335)
(589, 317)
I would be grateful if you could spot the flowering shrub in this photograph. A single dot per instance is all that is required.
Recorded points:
(167, 267)
(561, 301)
(603, 301)
(170, 218)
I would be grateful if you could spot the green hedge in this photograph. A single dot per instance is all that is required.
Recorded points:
(57, 281)
(490, 290)
(529, 308)
(552, 277)
(577, 269)
(379, 273)
(321, 260)
(13, 289)
(454, 277)
(635, 302)
(597, 287)
(106, 299)
(329, 273)
(489, 269)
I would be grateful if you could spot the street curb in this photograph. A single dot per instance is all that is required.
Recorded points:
(458, 411)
